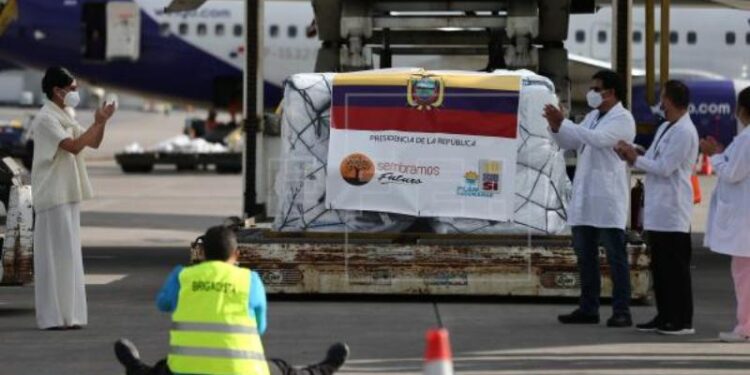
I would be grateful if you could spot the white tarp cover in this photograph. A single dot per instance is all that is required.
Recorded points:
(542, 188)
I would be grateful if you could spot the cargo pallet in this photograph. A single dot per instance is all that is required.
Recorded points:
(224, 162)
(425, 264)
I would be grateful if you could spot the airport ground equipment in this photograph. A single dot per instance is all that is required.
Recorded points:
(513, 33)
(15, 140)
(411, 255)
(517, 34)
(195, 149)
(17, 245)
(223, 162)
(424, 264)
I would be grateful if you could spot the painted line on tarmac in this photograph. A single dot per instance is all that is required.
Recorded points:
(103, 279)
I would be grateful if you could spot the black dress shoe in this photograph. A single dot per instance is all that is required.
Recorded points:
(337, 355)
(578, 317)
(335, 358)
(127, 354)
(650, 326)
(619, 321)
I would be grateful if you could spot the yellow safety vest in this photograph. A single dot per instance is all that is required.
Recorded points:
(212, 332)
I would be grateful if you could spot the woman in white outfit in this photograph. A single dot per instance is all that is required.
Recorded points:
(728, 230)
(59, 183)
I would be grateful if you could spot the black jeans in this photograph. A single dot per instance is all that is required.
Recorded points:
(670, 269)
(276, 367)
(586, 242)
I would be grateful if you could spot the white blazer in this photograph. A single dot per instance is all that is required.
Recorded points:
(728, 229)
(601, 189)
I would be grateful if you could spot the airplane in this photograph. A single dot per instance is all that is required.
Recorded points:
(197, 56)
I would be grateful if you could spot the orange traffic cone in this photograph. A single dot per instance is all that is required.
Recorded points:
(697, 194)
(438, 359)
(705, 168)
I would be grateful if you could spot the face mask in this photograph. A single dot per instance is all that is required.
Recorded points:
(72, 99)
(594, 99)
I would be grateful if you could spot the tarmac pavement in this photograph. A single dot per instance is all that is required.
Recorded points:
(139, 227)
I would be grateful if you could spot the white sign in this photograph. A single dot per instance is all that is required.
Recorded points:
(424, 144)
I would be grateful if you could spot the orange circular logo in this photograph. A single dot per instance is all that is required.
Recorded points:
(357, 169)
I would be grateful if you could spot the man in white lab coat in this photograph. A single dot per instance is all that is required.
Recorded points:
(668, 164)
(598, 210)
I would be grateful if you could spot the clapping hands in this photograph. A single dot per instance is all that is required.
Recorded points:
(104, 113)
(710, 146)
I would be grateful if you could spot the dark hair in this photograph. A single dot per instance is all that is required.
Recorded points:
(56, 76)
(743, 99)
(219, 243)
(678, 93)
(611, 81)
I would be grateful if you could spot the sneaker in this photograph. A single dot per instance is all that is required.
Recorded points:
(673, 330)
(578, 317)
(651, 326)
(733, 337)
(620, 320)
(127, 354)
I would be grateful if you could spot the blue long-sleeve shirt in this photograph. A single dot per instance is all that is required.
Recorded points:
(166, 301)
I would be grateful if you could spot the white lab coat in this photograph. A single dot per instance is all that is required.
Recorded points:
(601, 186)
(668, 164)
(728, 229)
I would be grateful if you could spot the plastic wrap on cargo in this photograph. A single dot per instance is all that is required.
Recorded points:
(542, 185)
(181, 144)
(301, 180)
(184, 144)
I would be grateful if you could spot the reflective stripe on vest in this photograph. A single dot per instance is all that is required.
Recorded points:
(212, 329)
(219, 353)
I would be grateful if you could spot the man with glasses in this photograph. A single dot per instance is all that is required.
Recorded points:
(668, 164)
(598, 209)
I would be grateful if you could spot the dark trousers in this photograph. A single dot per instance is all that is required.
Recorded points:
(276, 367)
(670, 269)
(586, 241)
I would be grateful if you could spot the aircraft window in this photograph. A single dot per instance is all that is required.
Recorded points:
(274, 31)
(202, 29)
(657, 37)
(183, 28)
(747, 38)
(580, 36)
(730, 37)
(601, 36)
(237, 30)
(692, 37)
(164, 29)
(219, 29)
(291, 31)
(637, 36)
(674, 38)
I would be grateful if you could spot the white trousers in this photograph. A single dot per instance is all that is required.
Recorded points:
(59, 288)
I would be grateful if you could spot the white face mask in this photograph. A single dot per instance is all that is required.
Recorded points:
(594, 99)
(660, 111)
(72, 99)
